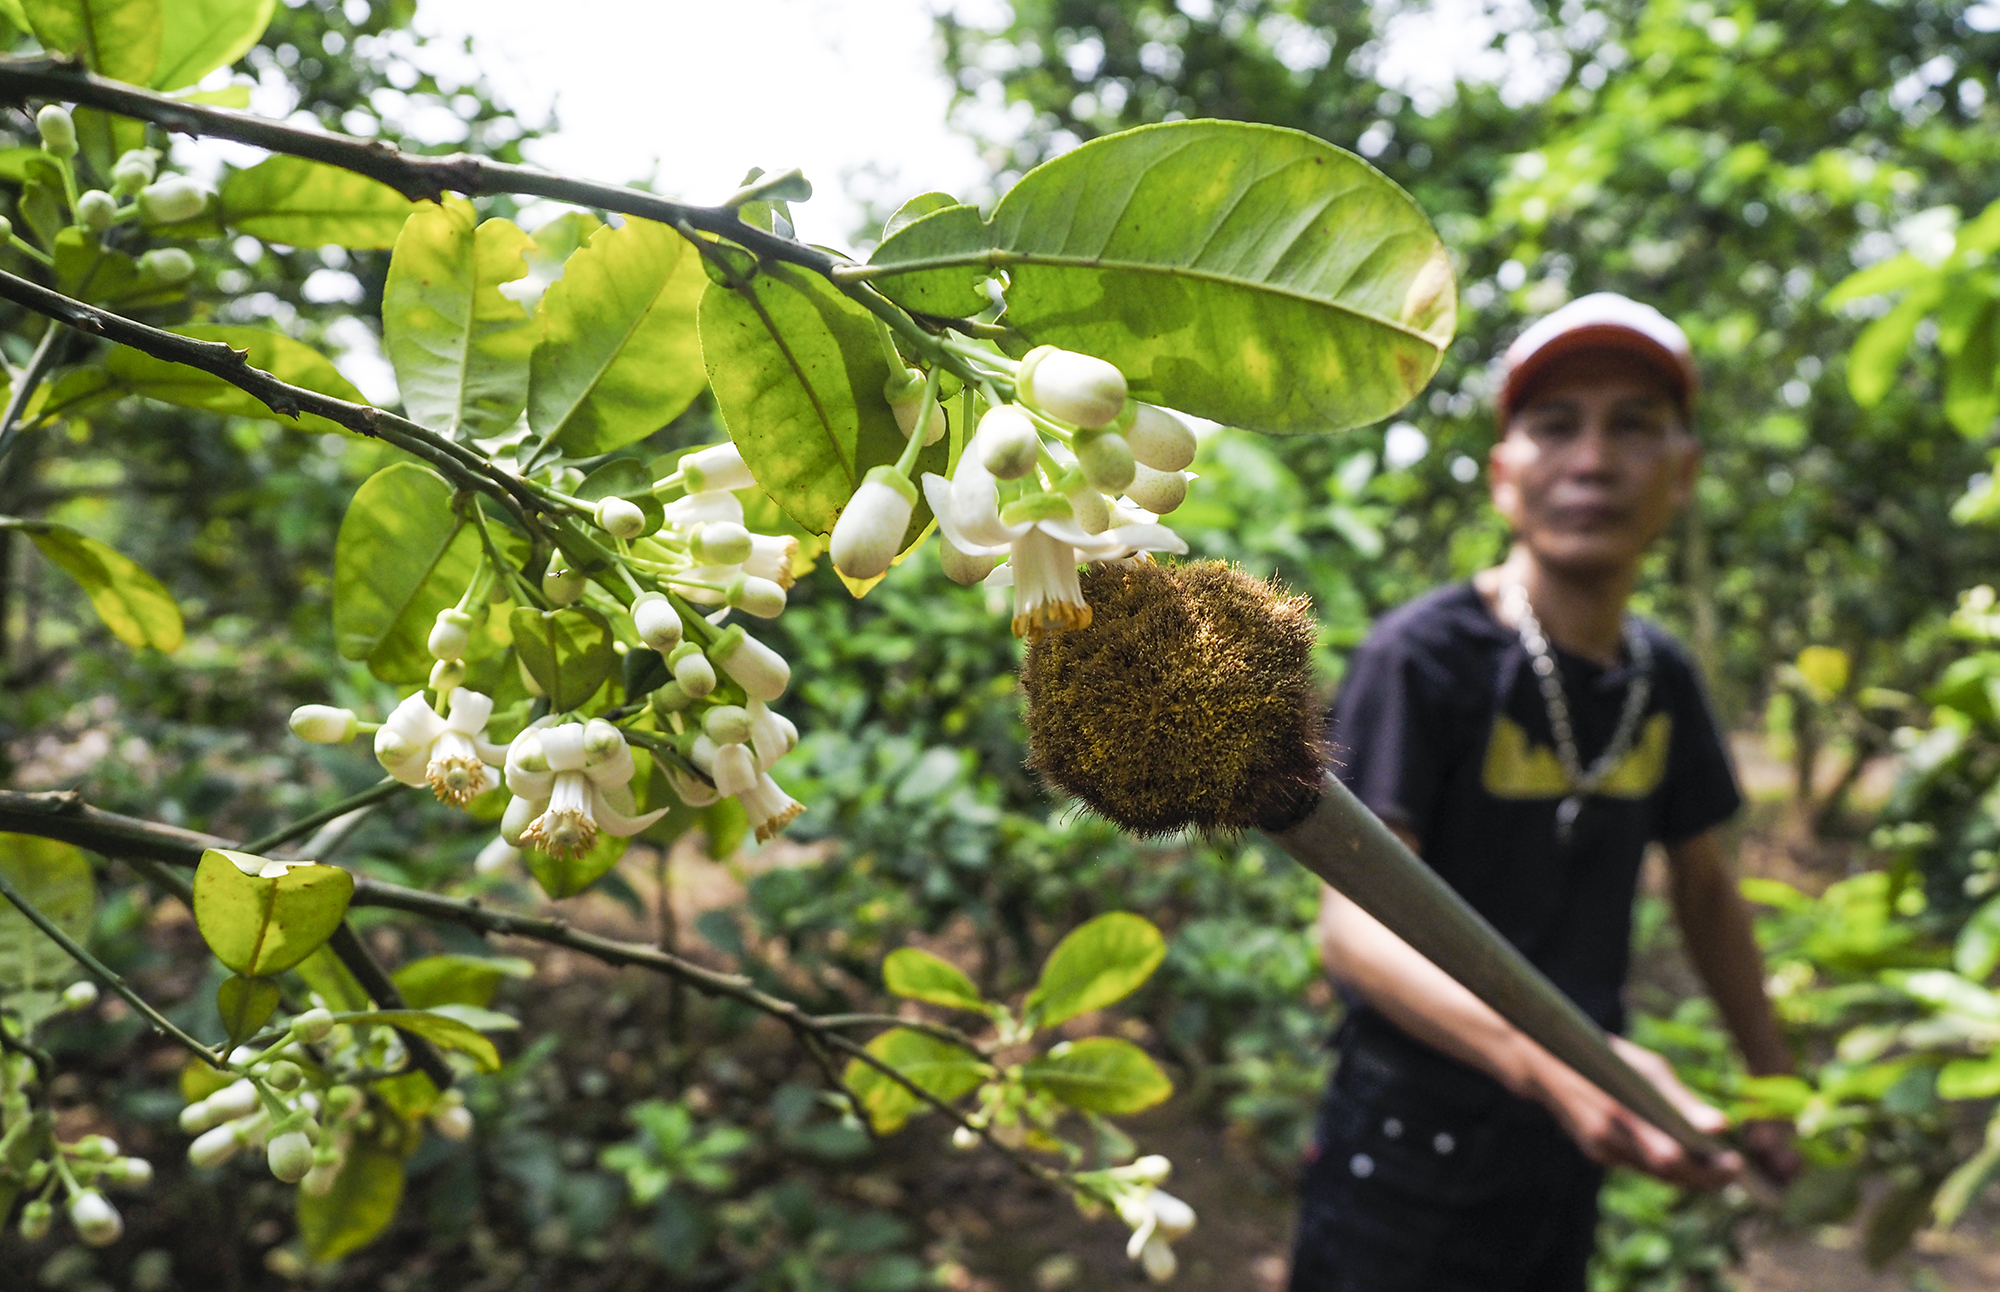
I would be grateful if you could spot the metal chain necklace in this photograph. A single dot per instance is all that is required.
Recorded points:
(1580, 780)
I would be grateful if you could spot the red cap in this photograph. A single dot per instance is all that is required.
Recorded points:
(1601, 320)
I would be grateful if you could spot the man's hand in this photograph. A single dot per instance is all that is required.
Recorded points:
(1611, 1134)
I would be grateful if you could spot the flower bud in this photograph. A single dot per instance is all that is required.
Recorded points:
(671, 698)
(283, 1075)
(447, 675)
(1150, 1169)
(1093, 514)
(528, 752)
(238, 1099)
(962, 568)
(870, 530)
(562, 585)
(620, 518)
(656, 620)
(58, 130)
(964, 1138)
(130, 1173)
(692, 669)
(1176, 1217)
(1157, 1258)
(97, 1222)
(96, 209)
(134, 171)
(1076, 388)
(1157, 491)
(451, 1118)
(601, 742)
(36, 1218)
(79, 995)
(771, 557)
(289, 1156)
(719, 467)
(323, 724)
(727, 724)
(95, 1148)
(735, 770)
(313, 1025)
(171, 200)
(906, 399)
(167, 265)
(721, 542)
(755, 596)
(1160, 440)
(1007, 443)
(1106, 461)
(772, 735)
(758, 669)
(196, 1117)
(451, 634)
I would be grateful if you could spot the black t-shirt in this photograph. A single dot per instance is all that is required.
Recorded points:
(1440, 727)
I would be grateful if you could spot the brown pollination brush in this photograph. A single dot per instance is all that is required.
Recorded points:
(1188, 703)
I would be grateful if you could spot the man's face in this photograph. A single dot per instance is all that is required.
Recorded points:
(1594, 463)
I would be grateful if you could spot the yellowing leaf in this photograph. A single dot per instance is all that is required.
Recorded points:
(261, 917)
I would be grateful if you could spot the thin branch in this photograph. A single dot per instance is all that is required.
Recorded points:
(387, 787)
(77, 952)
(942, 1031)
(65, 816)
(347, 945)
(45, 1067)
(39, 363)
(416, 177)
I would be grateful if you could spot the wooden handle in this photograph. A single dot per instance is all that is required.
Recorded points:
(1348, 846)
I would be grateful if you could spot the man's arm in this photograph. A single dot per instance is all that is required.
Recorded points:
(1433, 1007)
(1715, 928)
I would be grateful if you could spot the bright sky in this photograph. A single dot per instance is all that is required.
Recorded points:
(705, 90)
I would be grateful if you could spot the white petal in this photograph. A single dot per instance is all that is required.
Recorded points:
(469, 711)
(938, 492)
(700, 508)
(1148, 538)
(415, 721)
(563, 746)
(614, 822)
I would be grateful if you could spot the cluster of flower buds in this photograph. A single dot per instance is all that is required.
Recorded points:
(1158, 1218)
(74, 1175)
(1072, 470)
(138, 191)
(268, 1106)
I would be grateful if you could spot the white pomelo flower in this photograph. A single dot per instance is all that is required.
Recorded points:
(769, 808)
(570, 783)
(870, 530)
(1157, 1218)
(771, 557)
(1078, 388)
(1041, 539)
(451, 755)
(718, 468)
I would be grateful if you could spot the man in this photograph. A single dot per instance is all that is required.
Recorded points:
(1528, 739)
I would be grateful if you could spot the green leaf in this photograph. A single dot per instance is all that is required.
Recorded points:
(1891, 275)
(1970, 1178)
(457, 980)
(304, 203)
(116, 38)
(619, 357)
(56, 878)
(333, 982)
(262, 917)
(443, 1029)
(246, 1004)
(1251, 274)
(359, 1206)
(1098, 964)
(554, 243)
(11, 10)
(626, 478)
(567, 876)
(798, 372)
(935, 1066)
(1878, 352)
(459, 347)
(1971, 397)
(130, 601)
(402, 555)
(1100, 1075)
(567, 651)
(951, 233)
(1977, 952)
(1970, 1078)
(916, 208)
(919, 975)
(293, 362)
(202, 35)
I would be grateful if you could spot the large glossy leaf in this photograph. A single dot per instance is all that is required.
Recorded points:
(568, 651)
(1251, 274)
(402, 556)
(57, 880)
(117, 38)
(131, 602)
(359, 1206)
(932, 1064)
(619, 357)
(289, 361)
(309, 204)
(798, 372)
(1100, 1075)
(262, 917)
(1100, 963)
(199, 36)
(952, 233)
(919, 975)
(459, 347)
(453, 1033)
(457, 980)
